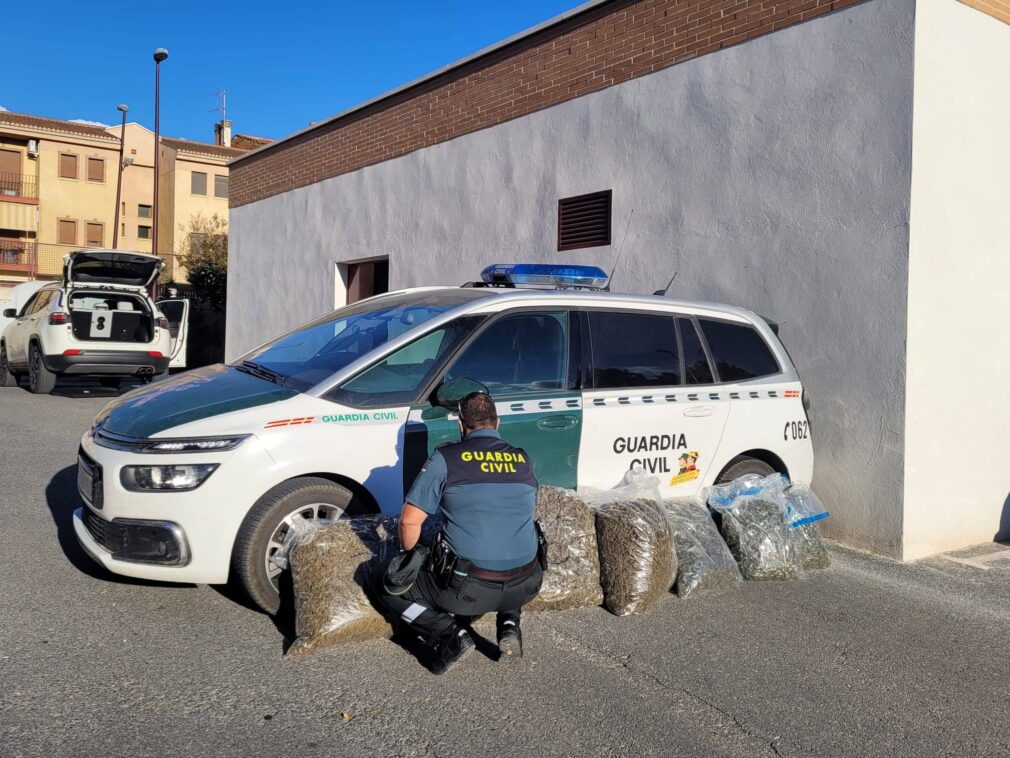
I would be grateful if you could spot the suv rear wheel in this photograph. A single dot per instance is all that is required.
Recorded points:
(744, 465)
(7, 377)
(270, 523)
(40, 379)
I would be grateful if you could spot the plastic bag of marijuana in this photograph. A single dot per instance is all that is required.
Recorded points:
(572, 579)
(771, 487)
(330, 566)
(704, 561)
(637, 555)
(636, 485)
(755, 528)
(804, 513)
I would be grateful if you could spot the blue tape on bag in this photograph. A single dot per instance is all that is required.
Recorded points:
(808, 520)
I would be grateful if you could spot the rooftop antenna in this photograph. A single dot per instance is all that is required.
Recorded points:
(222, 103)
(662, 292)
(620, 252)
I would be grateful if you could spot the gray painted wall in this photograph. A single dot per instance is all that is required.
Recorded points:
(773, 175)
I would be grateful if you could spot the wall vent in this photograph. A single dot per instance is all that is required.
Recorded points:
(584, 221)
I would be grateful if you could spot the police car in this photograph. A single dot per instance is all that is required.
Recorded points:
(200, 478)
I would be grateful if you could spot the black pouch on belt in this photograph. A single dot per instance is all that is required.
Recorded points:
(541, 546)
(402, 571)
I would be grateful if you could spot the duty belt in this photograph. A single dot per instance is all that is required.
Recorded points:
(503, 576)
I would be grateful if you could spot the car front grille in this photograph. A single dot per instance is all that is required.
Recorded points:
(89, 480)
(110, 536)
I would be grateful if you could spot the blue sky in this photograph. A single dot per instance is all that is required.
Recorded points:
(282, 64)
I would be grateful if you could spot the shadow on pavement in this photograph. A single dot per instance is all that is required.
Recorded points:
(63, 500)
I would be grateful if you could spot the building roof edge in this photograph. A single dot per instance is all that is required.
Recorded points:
(518, 37)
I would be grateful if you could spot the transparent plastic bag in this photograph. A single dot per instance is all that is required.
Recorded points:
(637, 555)
(705, 563)
(572, 579)
(636, 485)
(804, 512)
(771, 487)
(331, 565)
(755, 529)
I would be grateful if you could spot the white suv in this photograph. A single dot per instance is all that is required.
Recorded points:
(100, 320)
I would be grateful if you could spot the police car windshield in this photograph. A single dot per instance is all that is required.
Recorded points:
(304, 358)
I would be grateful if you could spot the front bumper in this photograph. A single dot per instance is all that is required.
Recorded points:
(159, 543)
(107, 363)
(204, 521)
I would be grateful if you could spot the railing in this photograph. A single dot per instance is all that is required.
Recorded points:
(21, 186)
(16, 256)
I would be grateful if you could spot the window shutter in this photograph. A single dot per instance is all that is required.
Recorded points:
(67, 232)
(96, 170)
(68, 166)
(584, 221)
(95, 234)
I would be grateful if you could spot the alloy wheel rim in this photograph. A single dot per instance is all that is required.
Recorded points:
(322, 513)
(33, 367)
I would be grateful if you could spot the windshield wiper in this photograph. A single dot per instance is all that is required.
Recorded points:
(261, 372)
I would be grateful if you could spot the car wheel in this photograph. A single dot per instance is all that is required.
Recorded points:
(742, 466)
(270, 523)
(40, 379)
(7, 377)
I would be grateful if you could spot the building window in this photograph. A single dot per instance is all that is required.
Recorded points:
(67, 232)
(220, 186)
(123, 232)
(96, 169)
(95, 234)
(143, 211)
(68, 166)
(584, 221)
(144, 232)
(198, 183)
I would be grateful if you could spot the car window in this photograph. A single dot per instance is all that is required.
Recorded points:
(696, 366)
(517, 354)
(633, 350)
(738, 350)
(398, 378)
(27, 307)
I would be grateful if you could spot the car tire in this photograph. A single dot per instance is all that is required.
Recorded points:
(744, 465)
(41, 380)
(265, 528)
(7, 377)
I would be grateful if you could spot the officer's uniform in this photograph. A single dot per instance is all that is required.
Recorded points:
(486, 492)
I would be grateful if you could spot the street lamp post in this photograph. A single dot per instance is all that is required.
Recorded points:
(119, 181)
(159, 55)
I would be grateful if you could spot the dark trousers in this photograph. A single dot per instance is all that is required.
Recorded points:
(426, 610)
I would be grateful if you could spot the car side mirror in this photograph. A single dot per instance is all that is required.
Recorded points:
(10, 312)
(451, 392)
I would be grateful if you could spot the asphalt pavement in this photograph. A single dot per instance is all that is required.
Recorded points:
(866, 658)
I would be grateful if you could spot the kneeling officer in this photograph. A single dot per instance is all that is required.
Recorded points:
(487, 555)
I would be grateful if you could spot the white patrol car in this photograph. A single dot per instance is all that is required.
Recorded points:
(200, 477)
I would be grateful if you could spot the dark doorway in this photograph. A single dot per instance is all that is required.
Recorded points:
(367, 279)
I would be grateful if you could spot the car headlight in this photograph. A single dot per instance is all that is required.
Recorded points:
(195, 445)
(179, 478)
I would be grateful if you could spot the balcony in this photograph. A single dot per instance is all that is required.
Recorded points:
(18, 258)
(19, 202)
(19, 187)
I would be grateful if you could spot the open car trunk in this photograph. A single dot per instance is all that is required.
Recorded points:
(110, 316)
(110, 267)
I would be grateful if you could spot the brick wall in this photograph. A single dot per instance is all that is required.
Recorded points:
(996, 8)
(605, 45)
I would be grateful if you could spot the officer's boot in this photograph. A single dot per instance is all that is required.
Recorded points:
(510, 636)
(450, 649)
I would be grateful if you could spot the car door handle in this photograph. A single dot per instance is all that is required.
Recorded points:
(700, 411)
(557, 422)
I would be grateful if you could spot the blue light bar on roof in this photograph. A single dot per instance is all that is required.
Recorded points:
(547, 274)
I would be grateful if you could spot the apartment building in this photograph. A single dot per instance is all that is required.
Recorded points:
(58, 191)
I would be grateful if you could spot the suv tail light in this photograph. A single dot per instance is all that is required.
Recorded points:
(58, 318)
(162, 322)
